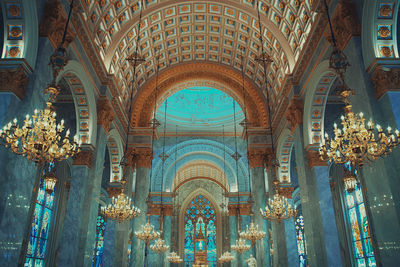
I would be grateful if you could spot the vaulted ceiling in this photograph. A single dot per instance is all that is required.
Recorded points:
(187, 31)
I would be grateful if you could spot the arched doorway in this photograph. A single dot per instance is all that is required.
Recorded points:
(200, 232)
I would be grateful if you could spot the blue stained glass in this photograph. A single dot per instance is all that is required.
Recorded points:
(360, 234)
(301, 241)
(200, 216)
(40, 224)
(99, 243)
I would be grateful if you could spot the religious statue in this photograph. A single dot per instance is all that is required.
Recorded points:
(252, 262)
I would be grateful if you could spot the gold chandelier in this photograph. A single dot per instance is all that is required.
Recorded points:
(174, 258)
(226, 257)
(40, 138)
(147, 233)
(252, 233)
(159, 246)
(240, 245)
(357, 142)
(120, 208)
(278, 209)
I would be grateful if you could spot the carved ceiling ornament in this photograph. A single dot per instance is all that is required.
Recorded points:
(345, 24)
(105, 113)
(53, 24)
(385, 81)
(231, 79)
(294, 114)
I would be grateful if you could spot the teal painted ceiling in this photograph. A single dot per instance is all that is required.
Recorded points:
(200, 109)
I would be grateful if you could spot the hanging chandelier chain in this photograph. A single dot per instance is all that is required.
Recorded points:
(266, 58)
(330, 24)
(135, 61)
(67, 23)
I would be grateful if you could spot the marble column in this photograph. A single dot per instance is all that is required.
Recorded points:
(316, 198)
(256, 160)
(233, 237)
(142, 157)
(109, 243)
(122, 228)
(167, 238)
(278, 228)
(291, 241)
(79, 233)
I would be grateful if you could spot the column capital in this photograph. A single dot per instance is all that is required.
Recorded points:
(158, 209)
(140, 157)
(14, 79)
(53, 23)
(344, 23)
(105, 113)
(257, 156)
(114, 191)
(385, 81)
(239, 209)
(83, 158)
(314, 159)
(286, 191)
(294, 114)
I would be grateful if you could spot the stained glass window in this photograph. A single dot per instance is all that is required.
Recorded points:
(40, 224)
(301, 241)
(99, 244)
(361, 237)
(200, 220)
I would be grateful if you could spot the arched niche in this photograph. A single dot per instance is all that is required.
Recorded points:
(82, 91)
(20, 30)
(284, 152)
(186, 203)
(115, 150)
(315, 103)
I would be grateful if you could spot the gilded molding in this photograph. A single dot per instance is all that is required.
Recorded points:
(385, 81)
(345, 24)
(239, 209)
(314, 159)
(105, 113)
(294, 114)
(83, 158)
(13, 80)
(53, 24)
(257, 157)
(160, 209)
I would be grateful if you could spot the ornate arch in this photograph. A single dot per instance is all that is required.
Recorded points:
(85, 104)
(183, 209)
(20, 30)
(285, 146)
(315, 103)
(211, 72)
(199, 149)
(115, 150)
(200, 169)
(379, 30)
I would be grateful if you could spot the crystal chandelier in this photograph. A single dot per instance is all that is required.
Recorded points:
(174, 258)
(357, 142)
(252, 233)
(159, 246)
(278, 209)
(226, 257)
(240, 245)
(40, 138)
(120, 208)
(147, 233)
